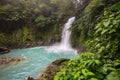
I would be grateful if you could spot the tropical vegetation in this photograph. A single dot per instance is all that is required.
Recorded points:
(96, 28)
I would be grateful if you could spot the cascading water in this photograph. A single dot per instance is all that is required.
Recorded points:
(65, 44)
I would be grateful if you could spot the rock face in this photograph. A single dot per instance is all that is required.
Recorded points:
(4, 50)
(51, 70)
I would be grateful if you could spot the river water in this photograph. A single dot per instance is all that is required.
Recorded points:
(36, 60)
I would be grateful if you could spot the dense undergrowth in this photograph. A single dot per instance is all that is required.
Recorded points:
(89, 66)
(102, 62)
(106, 33)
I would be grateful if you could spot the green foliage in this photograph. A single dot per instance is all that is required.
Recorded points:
(40, 15)
(104, 62)
(53, 1)
(91, 6)
(82, 29)
(8, 12)
(18, 37)
(77, 69)
(89, 66)
(42, 21)
(106, 36)
(2, 38)
(21, 36)
(116, 6)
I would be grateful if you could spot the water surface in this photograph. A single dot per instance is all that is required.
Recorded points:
(37, 59)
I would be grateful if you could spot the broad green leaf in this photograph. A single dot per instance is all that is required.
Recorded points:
(106, 23)
(104, 31)
(94, 79)
(98, 30)
(98, 45)
(84, 72)
(90, 73)
(81, 77)
(112, 69)
(97, 62)
(112, 31)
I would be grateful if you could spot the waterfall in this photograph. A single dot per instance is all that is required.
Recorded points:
(65, 44)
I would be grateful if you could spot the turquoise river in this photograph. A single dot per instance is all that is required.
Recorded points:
(36, 60)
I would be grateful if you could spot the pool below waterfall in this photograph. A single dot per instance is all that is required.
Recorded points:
(36, 60)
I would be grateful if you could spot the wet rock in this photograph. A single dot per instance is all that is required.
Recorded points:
(4, 50)
(29, 78)
(52, 69)
(10, 60)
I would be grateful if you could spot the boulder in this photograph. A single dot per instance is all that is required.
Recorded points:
(10, 60)
(4, 50)
(29, 78)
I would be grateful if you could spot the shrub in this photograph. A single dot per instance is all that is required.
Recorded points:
(89, 66)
